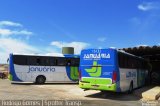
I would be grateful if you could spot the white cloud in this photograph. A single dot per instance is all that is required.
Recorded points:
(78, 46)
(22, 32)
(8, 32)
(3, 58)
(5, 32)
(10, 23)
(146, 6)
(141, 45)
(54, 54)
(15, 45)
(58, 44)
(102, 39)
(112, 47)
(15, 30)
(10, 45)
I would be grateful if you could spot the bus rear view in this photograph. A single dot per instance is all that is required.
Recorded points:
(98, 69)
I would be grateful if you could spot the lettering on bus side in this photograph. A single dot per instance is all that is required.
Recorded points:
(130, 74)
(40, 69)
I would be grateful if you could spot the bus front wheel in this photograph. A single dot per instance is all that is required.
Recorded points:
(40, 79)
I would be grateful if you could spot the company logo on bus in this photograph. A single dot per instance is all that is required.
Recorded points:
(96, 56)
(130, 74)
(94, 71)
(40, 69)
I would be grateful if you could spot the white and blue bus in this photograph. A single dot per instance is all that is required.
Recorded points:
(111, 70)
(41, 69)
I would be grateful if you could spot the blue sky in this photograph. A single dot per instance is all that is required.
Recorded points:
(44, 26)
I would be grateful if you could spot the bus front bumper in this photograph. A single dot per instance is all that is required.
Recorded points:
(10, 77)
(105, 87)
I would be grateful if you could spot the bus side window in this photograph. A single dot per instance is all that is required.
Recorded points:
(31, 60)
(61, 62)
(120, 60)
(128, 62)
(38, 61)
(77, 60)
(56, 62)
(45, 61)
(134, 63)
(143, 65)
(125, 62)
(53, 61)
(138, 64)
(7, 60)
(74, 61)
(20, 60)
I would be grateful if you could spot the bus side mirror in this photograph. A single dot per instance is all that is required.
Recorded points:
(68, 63)
(7, 60)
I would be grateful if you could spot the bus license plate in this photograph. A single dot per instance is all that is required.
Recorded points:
(95, 86)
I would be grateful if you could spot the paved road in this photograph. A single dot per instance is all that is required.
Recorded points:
(28, 91)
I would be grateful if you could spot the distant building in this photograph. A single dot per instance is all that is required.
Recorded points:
(3, 71)
(3, 67)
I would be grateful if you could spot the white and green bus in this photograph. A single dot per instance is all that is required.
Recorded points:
(111, 70)
(41, 69)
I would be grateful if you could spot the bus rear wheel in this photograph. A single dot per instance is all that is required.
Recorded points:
(130, 88)
(40, 79)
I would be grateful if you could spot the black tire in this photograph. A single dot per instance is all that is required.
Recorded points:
(130, 88)
(40, 80)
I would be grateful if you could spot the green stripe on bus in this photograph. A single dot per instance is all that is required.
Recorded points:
(74, 73)
(97, 80)
(10, 77)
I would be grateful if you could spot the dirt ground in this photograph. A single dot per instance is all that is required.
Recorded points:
(51, 91)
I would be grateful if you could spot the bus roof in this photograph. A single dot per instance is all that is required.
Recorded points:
(49, 54)
(121, 51)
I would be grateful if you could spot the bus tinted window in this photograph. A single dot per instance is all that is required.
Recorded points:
(68, 63)
(38, 61)
(45, 60)
(72, 61)
(128, 61)
(61, 61)
(75, 62)
(52, 61)
(20, 60)
(32, 60)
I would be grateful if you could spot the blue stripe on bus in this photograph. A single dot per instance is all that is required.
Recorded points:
(12, 70)
(68, 68)
(68, 71)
